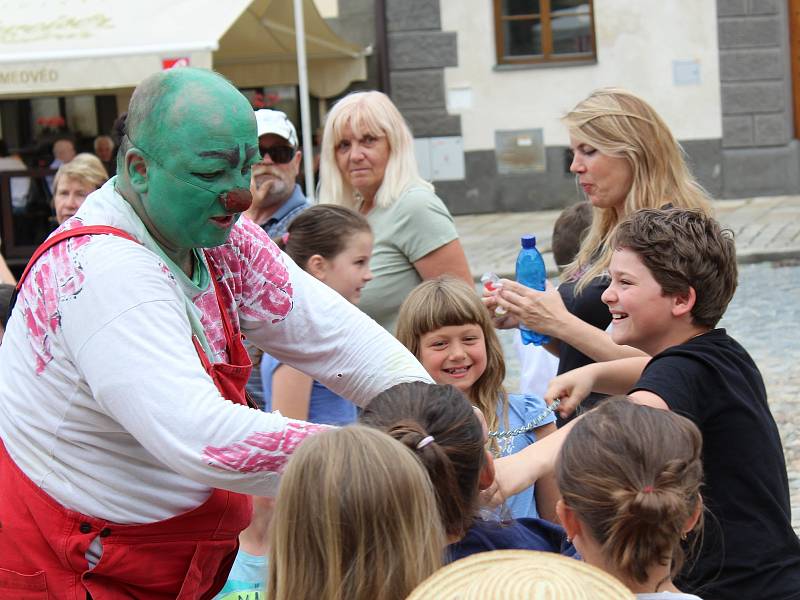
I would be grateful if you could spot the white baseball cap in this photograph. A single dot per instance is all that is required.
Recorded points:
(275, 121)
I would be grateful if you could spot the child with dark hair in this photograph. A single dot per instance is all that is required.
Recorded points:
(447, 435)
(568, 232)
(630, 479)
(673, 273)
(334, 244)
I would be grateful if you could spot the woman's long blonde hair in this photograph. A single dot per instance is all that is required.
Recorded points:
(444, 302)
(368, 113)
(356, 519)
(620, 124)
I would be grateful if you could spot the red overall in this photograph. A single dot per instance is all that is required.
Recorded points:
(43, 545)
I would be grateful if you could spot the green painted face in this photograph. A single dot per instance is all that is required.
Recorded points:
(198, 183)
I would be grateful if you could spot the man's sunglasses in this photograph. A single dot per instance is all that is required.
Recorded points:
(279, 154)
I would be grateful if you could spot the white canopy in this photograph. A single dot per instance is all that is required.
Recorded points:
(49, 47)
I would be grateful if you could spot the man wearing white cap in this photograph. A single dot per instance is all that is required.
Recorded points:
(277, 199)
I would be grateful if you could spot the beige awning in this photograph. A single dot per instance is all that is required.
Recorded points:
(49, 47)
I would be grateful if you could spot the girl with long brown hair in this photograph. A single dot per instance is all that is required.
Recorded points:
(443, 430)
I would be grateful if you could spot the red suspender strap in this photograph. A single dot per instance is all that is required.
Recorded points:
(70, 233)
(58, 238)
(226, 321)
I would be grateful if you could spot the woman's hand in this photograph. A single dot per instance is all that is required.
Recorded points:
(504, 321)
(543, 312)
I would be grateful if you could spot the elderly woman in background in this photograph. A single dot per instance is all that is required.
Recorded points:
(74, 181)
(625, 159)
(368, 164)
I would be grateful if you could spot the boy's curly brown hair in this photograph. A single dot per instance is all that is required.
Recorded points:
(684, 248)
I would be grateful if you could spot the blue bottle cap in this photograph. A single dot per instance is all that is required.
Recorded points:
(528, 241)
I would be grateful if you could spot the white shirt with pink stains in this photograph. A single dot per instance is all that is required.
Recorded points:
(104, 403)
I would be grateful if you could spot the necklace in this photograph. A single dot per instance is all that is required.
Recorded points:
(504, 437)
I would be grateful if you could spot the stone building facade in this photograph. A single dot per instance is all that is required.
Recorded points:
(760, 154)
(736, 123)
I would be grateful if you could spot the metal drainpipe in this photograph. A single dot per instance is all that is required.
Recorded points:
(382, 47)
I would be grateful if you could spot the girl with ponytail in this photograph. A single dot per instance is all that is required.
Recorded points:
(630, 478)
(449, 437)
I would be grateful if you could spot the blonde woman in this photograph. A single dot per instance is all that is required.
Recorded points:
(368, 164)
(74, 181)
(356, 519)
(625, 159)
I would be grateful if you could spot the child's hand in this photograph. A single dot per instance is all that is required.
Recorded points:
(571, 388)
(512, 474)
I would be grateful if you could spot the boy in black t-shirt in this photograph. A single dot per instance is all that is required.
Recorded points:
(673, 274)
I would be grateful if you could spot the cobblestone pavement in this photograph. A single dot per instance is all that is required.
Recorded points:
(764, 317)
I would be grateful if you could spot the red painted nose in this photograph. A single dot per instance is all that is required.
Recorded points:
(236, 201)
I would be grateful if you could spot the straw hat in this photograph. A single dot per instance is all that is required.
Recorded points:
(520, 574)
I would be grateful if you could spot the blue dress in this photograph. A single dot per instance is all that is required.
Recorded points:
(522, 409)
(324, 407)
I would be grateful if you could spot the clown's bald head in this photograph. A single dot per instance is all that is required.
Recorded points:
(174, 99)
(185, 159)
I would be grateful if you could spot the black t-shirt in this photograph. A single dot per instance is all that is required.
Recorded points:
(588, 307)
(749, 550)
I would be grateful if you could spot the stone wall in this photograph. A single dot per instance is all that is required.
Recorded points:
(356, 24)
(760, 154)
(418, 53)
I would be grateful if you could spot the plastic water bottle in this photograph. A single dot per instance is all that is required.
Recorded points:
(531, 273)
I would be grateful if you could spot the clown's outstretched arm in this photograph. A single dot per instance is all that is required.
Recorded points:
(334, 342)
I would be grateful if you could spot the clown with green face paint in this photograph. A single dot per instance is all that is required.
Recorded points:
(123, 416)
(190, 187)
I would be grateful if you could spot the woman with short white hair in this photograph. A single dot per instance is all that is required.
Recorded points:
(368, 164)
(74, 181)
